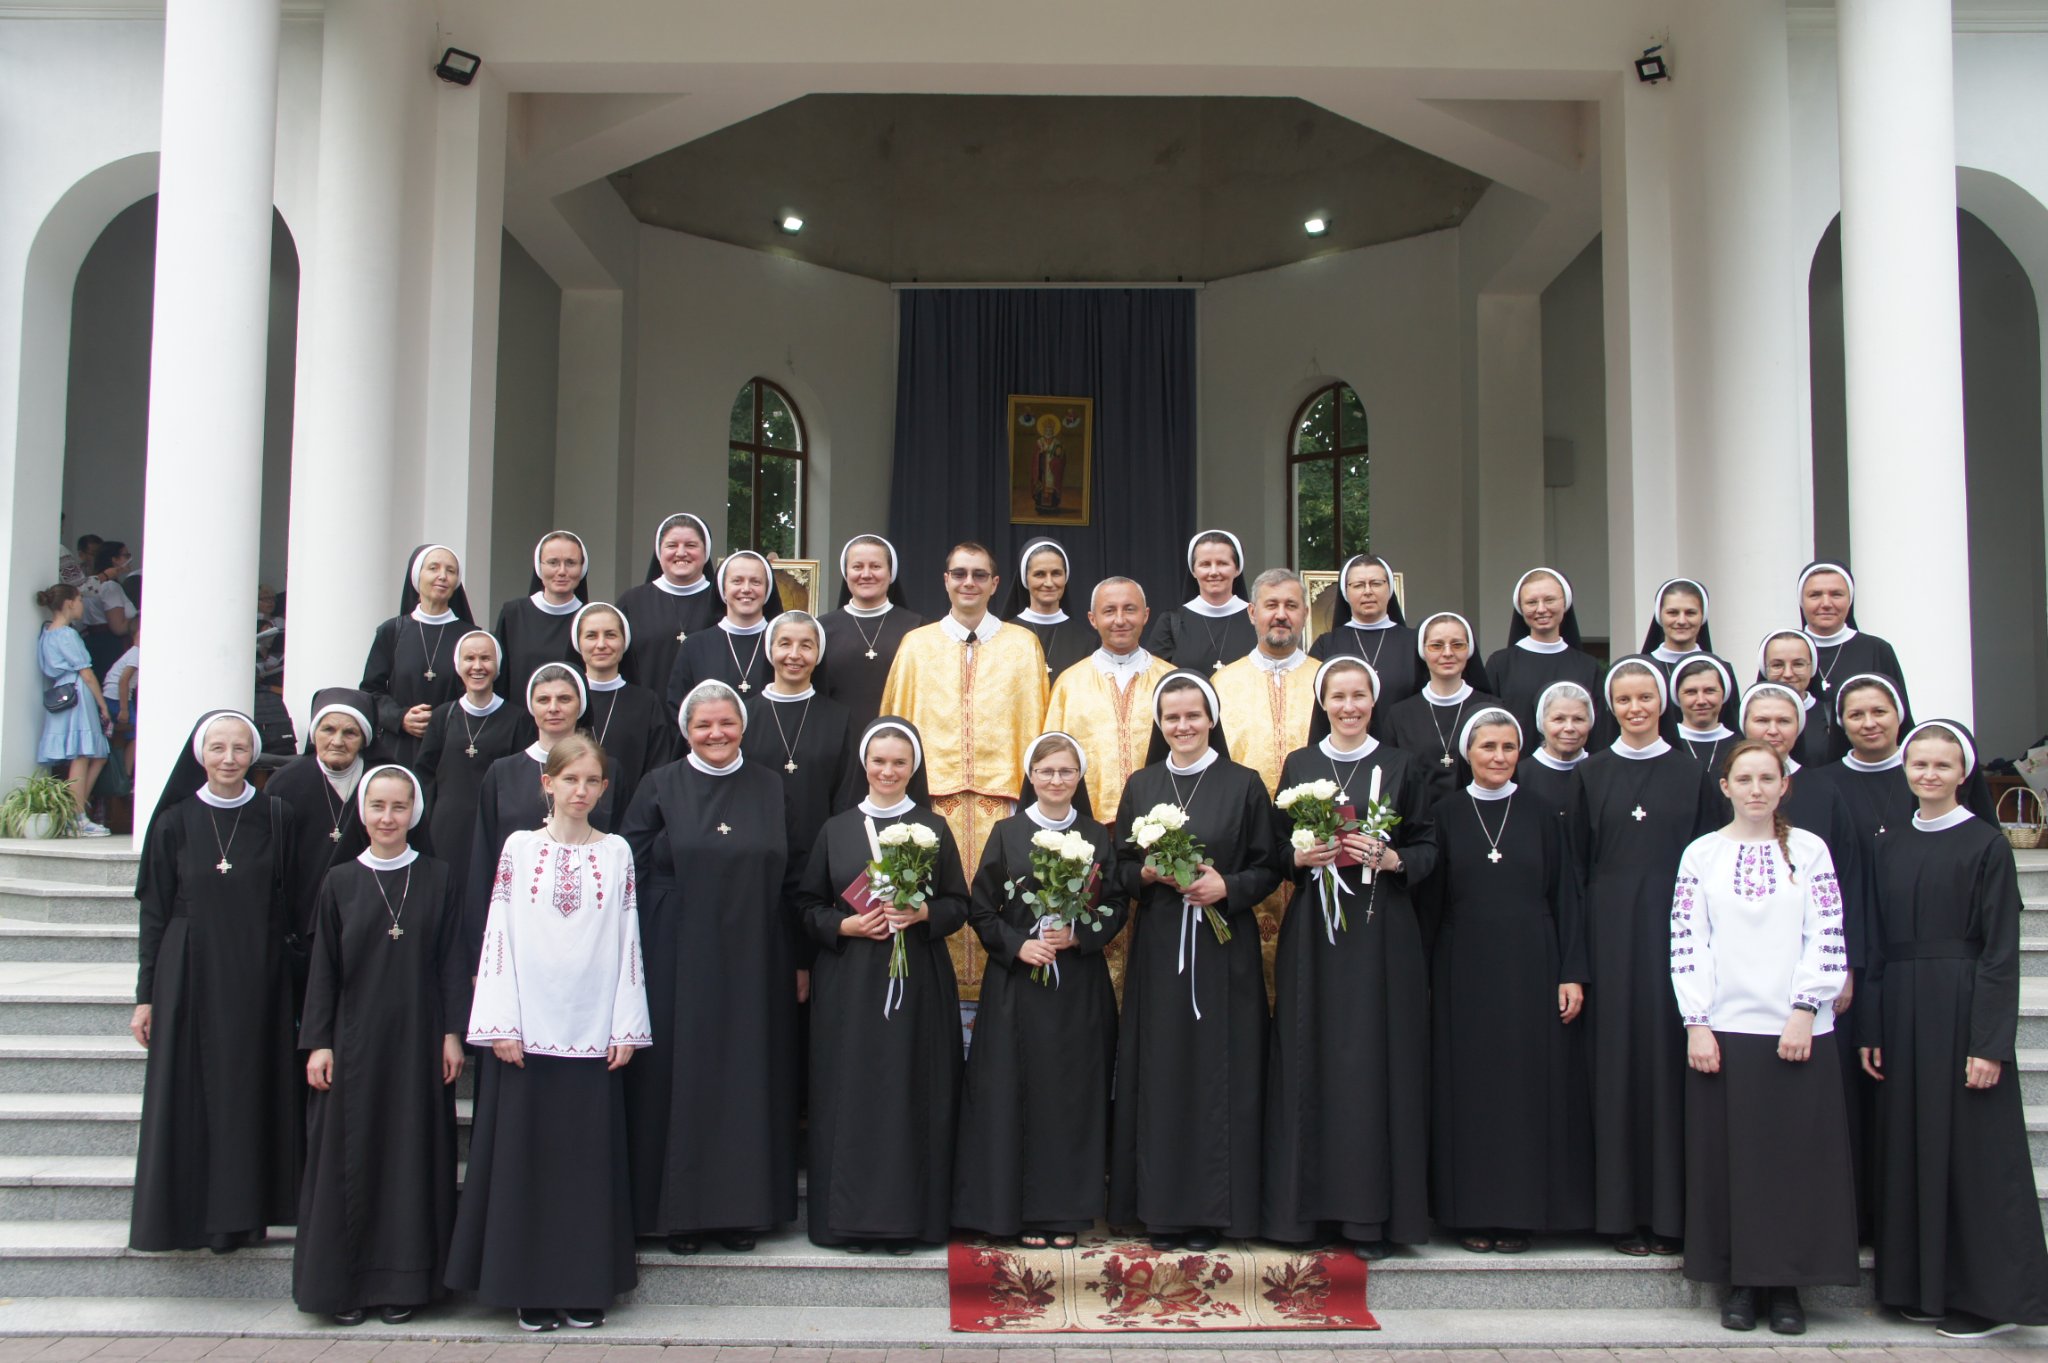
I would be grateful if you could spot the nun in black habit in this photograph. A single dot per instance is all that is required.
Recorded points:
(318, 789)
(536, 629)
(1679, 635)
(1872, 774)
(411, 668)
(1426, 725)
(1827, 613)
(222, 1101)
(1214, 626)
(811, 740)
(1034, 1111)
(387, 1003)
(1189, 1114)
(1366, 621)
(1692, 685)
(463, 739)
(867, 629)
(673, 603)
(711, 1108)
(1958, 1225)
(1543, 647)
(1347, 1125)
(1790, 658)
(1564, 724)
(1038, 601)
(628, 721)
(885, 1053)
(735, 650)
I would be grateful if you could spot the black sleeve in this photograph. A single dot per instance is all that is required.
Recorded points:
(682, 676)
(323, 973)
(946, 906)
(1260, 874)
(427, 766)
(990, 892)
(1113, 907)
(1995, 1003)
(818, 905)
(377, 670)
(1163, 641)
(453, 964)
(159, 892)
(1414, 837)
(1127, 872)
(1567, 905)
(483, 873)
(503, 631)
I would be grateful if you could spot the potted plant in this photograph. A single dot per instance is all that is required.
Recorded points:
(39, 806)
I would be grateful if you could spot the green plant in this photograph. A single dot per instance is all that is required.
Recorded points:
(38, 795)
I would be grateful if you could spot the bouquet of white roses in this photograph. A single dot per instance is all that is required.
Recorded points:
(1064, 866)
(902, 875)
(1172, 852)
(1317, 822)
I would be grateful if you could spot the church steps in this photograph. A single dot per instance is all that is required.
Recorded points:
(105, 943)
(71, 1064)
(45, 901)
(70, 861)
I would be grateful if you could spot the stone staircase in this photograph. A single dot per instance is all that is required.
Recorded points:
(70, 1104)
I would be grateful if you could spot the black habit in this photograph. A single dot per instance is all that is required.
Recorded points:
(858, 652)
(1065, 643)
(1189, 1115)
(1860, 653)
(1512, 1136)
(402, 652)
(1545, 784)
(325, 832)
(1034, 1111)
(223, 1095)
(638, 733)
(821, 740)
(1429, 733)
(378, 1203)
(1201, 643)
(1391, 652)
(718, 654)
(1519, 676)
(883, 1085)
(660, 620)
(531, 638)
(509, 798)
(458, 749)
(711, 1106)
(1347, 1125)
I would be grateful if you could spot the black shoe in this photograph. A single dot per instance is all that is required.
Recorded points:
(684, 1244)
(1970, 1325)
(582, 1318)
(1739, 1311)
(857, 1247)
(1166, 1244)
(1372, 1251)
(1202, 1241)
(394, 1315)
(1788, 1317)
(1919, 1317)
(224, 1244)
(536, 1319)
(899, 1248)
(355, 1317)
(738, 1242)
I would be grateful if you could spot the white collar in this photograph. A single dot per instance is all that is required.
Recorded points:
(1791, 765)
(1535, 645)
(776, 696)
(343, 781)
(614, 684)
(725, 623)
(1839, 637)
(1328, 747)
(903, 806)
(1809, 701)
(1031, 617)
(1228, 608)
(739, 760)
(1479, 792)
(1555, 763)
(1952, 819)
(1384, 622)
(1280, 666)
(537, 752)
(444, 618)
(1458, 697)
(1892, 763)
(546, 607)
(1202, 763)
(702, 584)
(980, 634)
(1051, 825)
(1664, 653)
(397, 863)
(206, 796)
(868, 612)
(1656, 749)
(1713, 735)
(497, 701)
(1112, 663)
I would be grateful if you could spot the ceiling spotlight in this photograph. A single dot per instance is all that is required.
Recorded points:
(1316, 226)
(458, 67)
(792, 224)
(1651, 66)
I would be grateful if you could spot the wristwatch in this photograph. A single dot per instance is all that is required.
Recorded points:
(1807, 1008)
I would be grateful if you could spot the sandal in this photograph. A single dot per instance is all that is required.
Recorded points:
(1633, 1244)
(1032, 1239)
(1476, 1241)
(1064, 1241)
(1665, 1246)
(1510, 1242)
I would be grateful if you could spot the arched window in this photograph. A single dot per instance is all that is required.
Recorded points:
(1329, 477)
(765, 468)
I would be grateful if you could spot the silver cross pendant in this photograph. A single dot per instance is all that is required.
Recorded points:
(395, 933)
(1494, 856)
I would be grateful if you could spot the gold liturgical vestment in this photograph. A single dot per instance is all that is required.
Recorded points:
(977, 707)
(1265, 717)
(1113, 727)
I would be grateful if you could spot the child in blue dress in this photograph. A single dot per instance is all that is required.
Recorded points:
(77, 735)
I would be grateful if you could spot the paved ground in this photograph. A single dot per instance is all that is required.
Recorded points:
(132, 1348)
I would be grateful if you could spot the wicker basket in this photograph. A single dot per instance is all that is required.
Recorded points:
(2023, 836)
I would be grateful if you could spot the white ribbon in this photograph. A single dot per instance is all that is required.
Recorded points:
(1190, 941)
(1046, 923)
(1372, 797)
(893, 996)
(1330, 892)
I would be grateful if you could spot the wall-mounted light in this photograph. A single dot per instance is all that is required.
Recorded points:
(1651, 66)
(458, 67)
(791, 223)
(1316, 226)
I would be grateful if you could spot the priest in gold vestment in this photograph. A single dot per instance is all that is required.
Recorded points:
(1268, 697)
(975, 687)
(1105, 700)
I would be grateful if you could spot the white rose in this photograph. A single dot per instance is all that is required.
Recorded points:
(1286, 798)
(1169, 816)
(895, 835)
(1304, 839)
(1145, 834)
(1324, 790)
(922, 836)
(1046, 840)
(1076, 848)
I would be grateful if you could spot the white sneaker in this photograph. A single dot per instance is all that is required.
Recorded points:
(86, 828)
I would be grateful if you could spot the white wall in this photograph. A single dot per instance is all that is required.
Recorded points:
(1382, 319)
(712, 316)
(523, 481)
(1575, 409)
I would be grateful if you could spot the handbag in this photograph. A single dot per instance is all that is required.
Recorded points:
(58, 699)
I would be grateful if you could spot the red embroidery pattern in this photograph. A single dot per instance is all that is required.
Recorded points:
(568, 887)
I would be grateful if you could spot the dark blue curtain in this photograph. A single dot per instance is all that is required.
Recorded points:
(963, 352)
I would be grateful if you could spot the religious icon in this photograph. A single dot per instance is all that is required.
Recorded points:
(796, 584)
(1051, 459)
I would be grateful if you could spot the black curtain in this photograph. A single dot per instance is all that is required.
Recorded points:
(963, 352)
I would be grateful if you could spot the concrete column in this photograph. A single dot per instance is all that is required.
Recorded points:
(1902, 333)
(203, 485)
(1510, 482)
(349, 528)
(1744, 523)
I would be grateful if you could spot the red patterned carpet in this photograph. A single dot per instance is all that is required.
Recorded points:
(1116, 1285)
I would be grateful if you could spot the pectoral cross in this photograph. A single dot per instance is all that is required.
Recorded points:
(334, 836)
(395, 932)
(1637, 814)
(679, 635)
(1880, 828)
(1445, 762)
(746, 686)
(430, 674)
(470, 750)
(871, 653)
(1494, 856)
(223, 865)
(1823, 683)
(790, 765)
(1216, 666)
(724, 828)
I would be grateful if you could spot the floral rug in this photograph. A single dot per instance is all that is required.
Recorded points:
(1112, 1284)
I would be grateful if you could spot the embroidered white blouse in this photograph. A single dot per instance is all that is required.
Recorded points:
(561, 970)
(1751, 939)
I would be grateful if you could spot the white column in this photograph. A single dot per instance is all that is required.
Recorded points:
(1902, 334)
(1744, 524)
(209, 337)
(1510, 429)
(343, 564)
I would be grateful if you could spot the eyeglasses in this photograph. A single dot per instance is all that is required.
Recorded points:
(968, 574)
(1056, 774)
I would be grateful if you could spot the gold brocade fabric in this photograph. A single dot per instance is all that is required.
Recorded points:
(1265, 717)
(977, 709)
(1113, 727)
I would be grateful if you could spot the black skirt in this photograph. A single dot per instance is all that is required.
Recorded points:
(1769, 1199)
(546, 1216)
